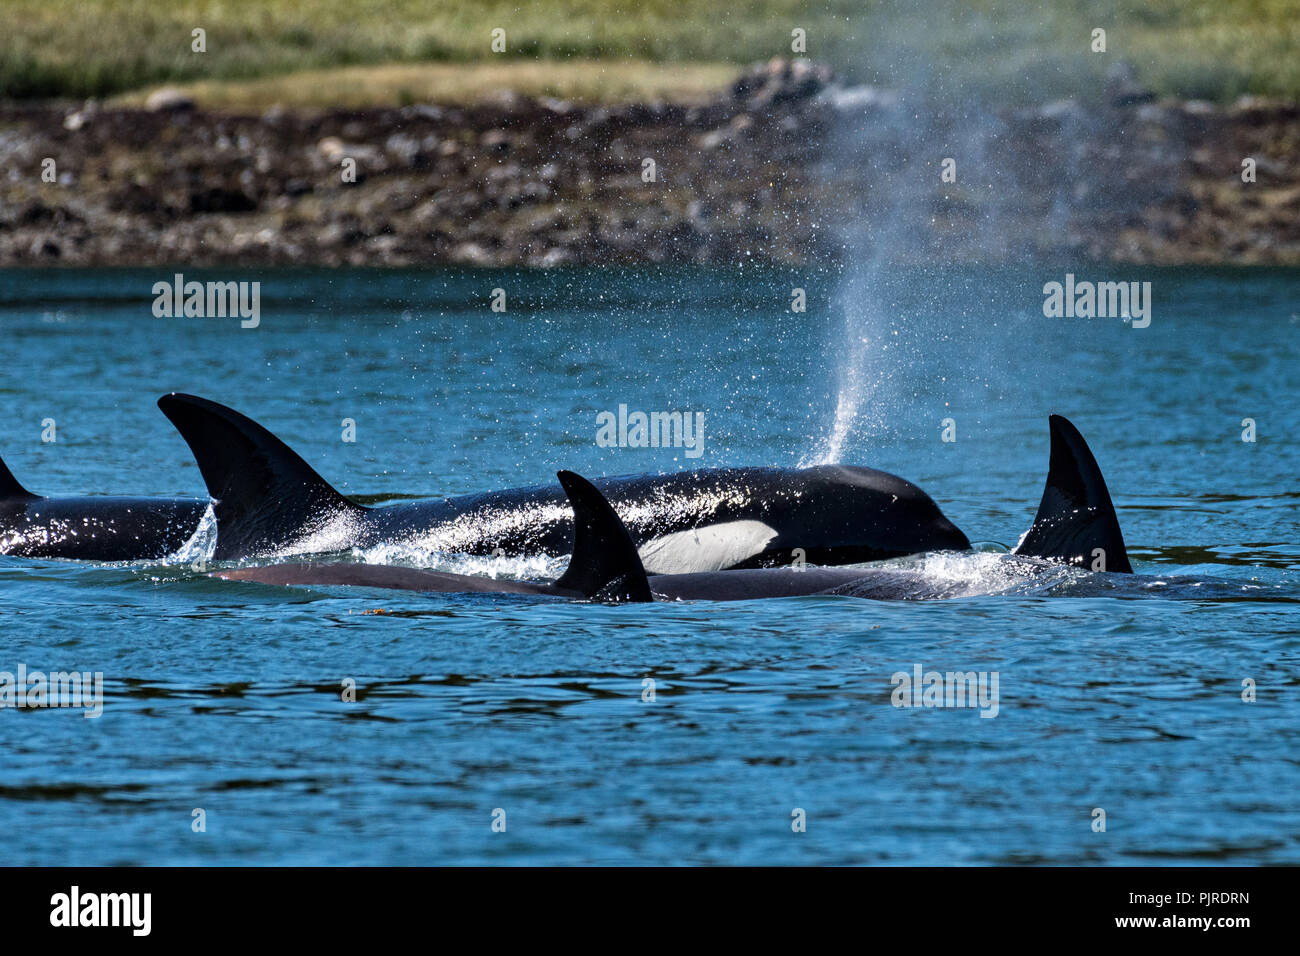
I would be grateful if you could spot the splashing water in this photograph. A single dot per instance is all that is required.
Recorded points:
(921, 111)
(532, 567)
(861, 370)
(201, 545)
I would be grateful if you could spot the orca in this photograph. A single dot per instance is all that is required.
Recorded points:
(270, 503)
(1075, 525)
(93, 527)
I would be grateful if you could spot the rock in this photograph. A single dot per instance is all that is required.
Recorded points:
(698, 213)
(713, 139)
(495, 141)
(424, 111)
(728, 134)
(221, 199)
(554, 257)
(557, 106)
(780, 81)
(76, 119)
(405, 147)
(1066, 112)
(168, 100)
(332, 148)
(507, 100)
(846, 99)
(1248, 103)
(472, 254)
(1153, 113)
(43, 247)
(1122, 86)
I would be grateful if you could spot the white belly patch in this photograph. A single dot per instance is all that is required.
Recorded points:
(708, 548)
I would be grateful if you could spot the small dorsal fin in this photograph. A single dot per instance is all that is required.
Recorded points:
(605, 563)
(1075, 518)
(10, 490)
(266, 495)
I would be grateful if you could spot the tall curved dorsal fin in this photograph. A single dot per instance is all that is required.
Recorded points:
(266, 495)
(1075, 518)
(605, 563)
(10, 490)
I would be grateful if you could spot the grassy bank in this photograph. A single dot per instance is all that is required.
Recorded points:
(1215, 49)
(585, 81)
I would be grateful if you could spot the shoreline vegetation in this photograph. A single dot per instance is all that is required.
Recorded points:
(650, 132)
(1215, 50)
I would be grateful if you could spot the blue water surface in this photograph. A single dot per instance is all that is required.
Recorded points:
(226, 696)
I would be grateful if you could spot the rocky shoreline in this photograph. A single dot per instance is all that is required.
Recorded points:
(788, 166)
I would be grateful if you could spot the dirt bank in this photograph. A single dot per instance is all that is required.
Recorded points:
(787, 166)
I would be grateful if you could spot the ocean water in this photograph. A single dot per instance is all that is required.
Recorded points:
(226, 697)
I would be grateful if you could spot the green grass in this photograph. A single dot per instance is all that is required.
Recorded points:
(400, 84)
(1206, 48)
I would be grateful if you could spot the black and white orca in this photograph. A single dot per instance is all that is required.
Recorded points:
(1076, 525)
(270, 503)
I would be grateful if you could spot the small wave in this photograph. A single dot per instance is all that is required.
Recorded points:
(330, 533)
(201, 545)
(531, 567)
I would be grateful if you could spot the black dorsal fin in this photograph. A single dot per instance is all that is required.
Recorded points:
(605, 563)
(1075, 518)
(266, 496)
(10, 490)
